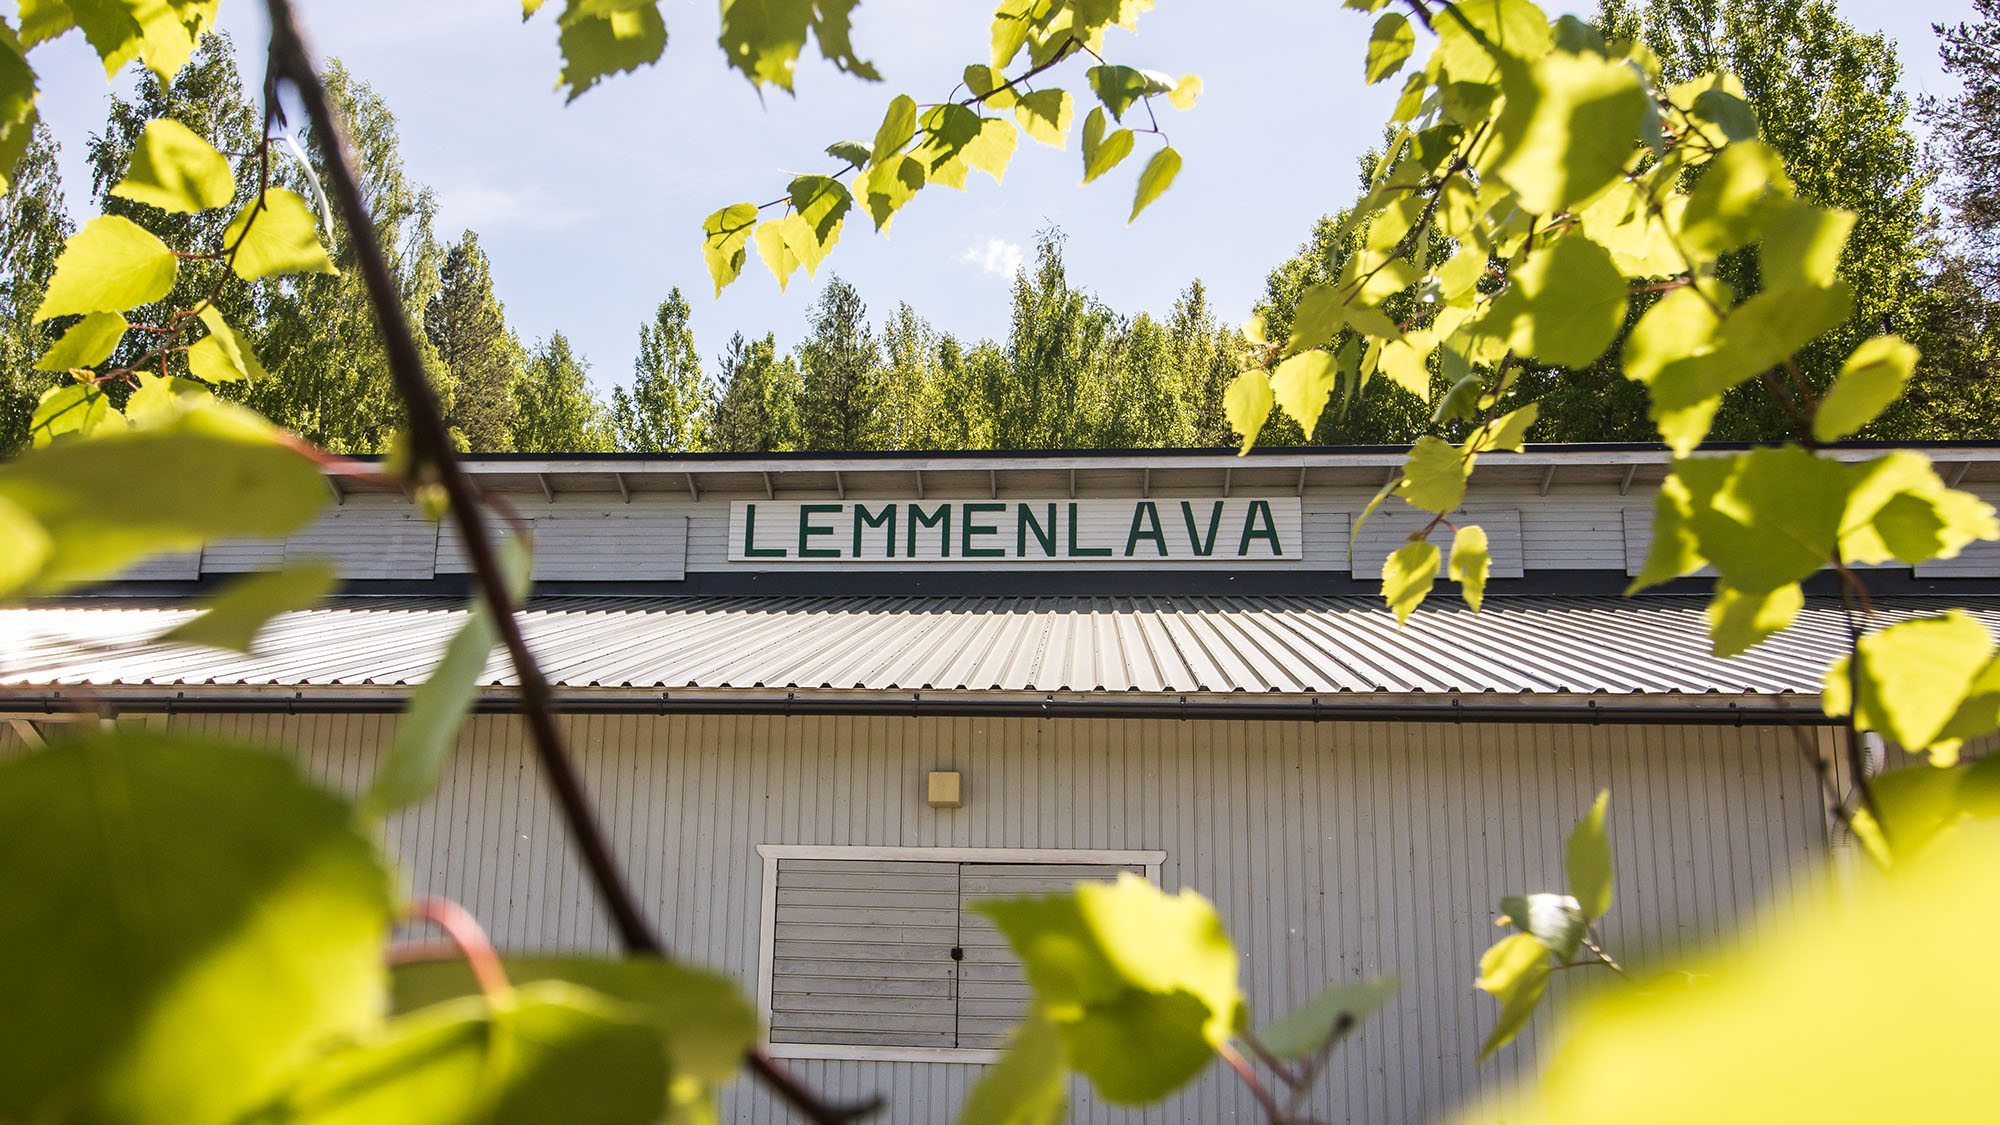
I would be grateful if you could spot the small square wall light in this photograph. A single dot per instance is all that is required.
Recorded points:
(943, 789)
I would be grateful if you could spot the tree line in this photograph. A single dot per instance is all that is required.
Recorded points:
(1071, 372)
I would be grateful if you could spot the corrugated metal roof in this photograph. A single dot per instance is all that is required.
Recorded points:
(1653, 645)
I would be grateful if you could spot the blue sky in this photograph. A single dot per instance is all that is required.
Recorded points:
(591, 211)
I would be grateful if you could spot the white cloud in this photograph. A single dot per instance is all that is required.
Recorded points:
(483, 208)
(996, 256)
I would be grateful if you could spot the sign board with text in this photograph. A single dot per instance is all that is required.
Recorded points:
(1078, 532)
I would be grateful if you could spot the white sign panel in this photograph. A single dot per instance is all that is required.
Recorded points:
(1079, 532)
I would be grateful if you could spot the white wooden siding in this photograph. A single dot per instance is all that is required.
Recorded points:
(1334, 850)
(369, 543)
(183, 566)
(635, 546)
(1389, 528)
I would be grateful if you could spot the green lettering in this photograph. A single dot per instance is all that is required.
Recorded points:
(1026, 519)
(940, 519)
(1269, 531)
(808, 529)
(1076, 551)
(886, 518)
(1202, 547)
(750, 548)
(1148, 513)
(967, 529)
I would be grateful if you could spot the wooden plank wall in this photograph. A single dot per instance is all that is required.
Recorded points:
(1334, 851)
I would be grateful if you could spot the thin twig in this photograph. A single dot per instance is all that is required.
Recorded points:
(1243, 1070)
(433, 450)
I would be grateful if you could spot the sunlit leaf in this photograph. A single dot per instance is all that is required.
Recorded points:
(702, 1019)
(1506, 29)
(1301, 385)
(762, 38)
(1728, 1049)
(186, 923)
(281, 236)
(899, 124)
(771, 246)
(224, 354)
(1389, 47)
(1738, 193)
(1185, 92)
(1247, 402)
(725, 237)
(1510, 430)
(1028, 1084)
(546, 1051)
(106, 502)
(889, 185)
(1045, 115)
(1564, 307)
(1897, 508)
(1157, 177)
(1101, 153)
(1407, 577)
(88, 343)
(1587, 861)
(1739, 622)
(1727, 112)
(1434, 477)
(110, 265)
(1802, 245)
(176, 170)
(1871, 379)
(232, 618)
(1470, 560)
(1119, 86)
(160, 401)
(71, 408)
(1912, 677)
(1142, 986)
(990, 87)
(1567, 128)
(1515, 971)
(854, 152)
(819, 204)
(1308, 1028)
(23, 545)
(599, 40)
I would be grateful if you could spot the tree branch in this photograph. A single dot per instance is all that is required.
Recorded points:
(432, 447)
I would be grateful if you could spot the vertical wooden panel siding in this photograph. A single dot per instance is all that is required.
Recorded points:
(1334, 850)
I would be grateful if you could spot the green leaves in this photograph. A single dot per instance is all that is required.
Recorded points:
(1737, 194)
(704, 1027)
(1140, 986)
(1739, 622)
(1476, 37)
(1515, 971)
(600, 38)
(72, 408)
(189, 921)
(1045, 115)
(1407, 577)
(429, 726)
(1470, 560)
(1564, 307)
(762, 38)
(1028, 1085)
(1587, 861)
(224, 355)
(1307, 1029)
(1247, 402)
(176, 170)
(1802, 245)
(112, 264)
(233, 618)
(725, 236)
(1434, 476)
(547, 1051)
(899, 124)
(1912, 677)
(278, 235)
(819, 204)
(1302, 383)
(88, 343)
(1389, 47)
(1119, 86)
(1102, 153)
(106, 502)
(1155, 180)
(1871, 379)
(1567, 129)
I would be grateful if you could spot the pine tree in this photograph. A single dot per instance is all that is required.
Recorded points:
(757, 408)
(468, 327)
(668, 408)
(555, 410)
(33, 225)
(841, 365)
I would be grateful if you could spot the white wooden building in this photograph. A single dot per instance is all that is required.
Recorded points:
(1173, 663)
